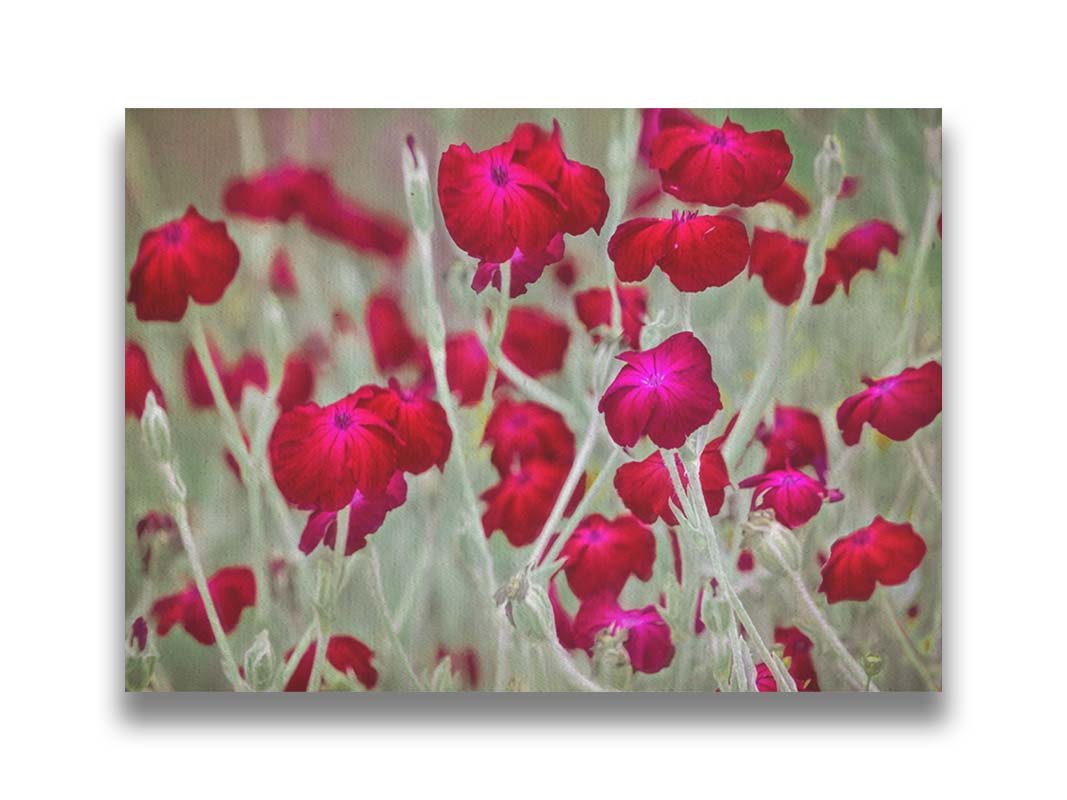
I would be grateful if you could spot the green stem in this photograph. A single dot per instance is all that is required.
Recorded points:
(383, 610)
(331, 581)
(906, 342)
(905, 642)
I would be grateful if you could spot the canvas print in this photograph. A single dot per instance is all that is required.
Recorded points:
(542, 400)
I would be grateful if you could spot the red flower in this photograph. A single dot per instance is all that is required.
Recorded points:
(699, 163)
(520, 503)
(232, 590)
(896, 406)
(646, 489)
(420, 424)
(648, 640)
(593, 307)
(155, 531)
(566, 273)
(298, 382)
(366, 515)
(696, 252)
(795, 439)
(765, 681)
(493, 205)
(320, 456)
(249, 370)
(519, 432)
(391, 340)
(525, 269)
(282, 278)
(583, 200)
(186, 258)
(535, 341)
(666, 392)
(797, 650)
(856, 250)
(466, 367)
(281, 192)
(465, 664)
(601, 554)
(745, 561)
(139, 634)
(714, 474)
(883, 552)
(139, 380)
(779, 260)
(346, 654)
(794, 496)
(788, 196)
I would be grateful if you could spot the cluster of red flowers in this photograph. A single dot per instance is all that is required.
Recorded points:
(516, 203)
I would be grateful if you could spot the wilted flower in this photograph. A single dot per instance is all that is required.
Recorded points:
(856, 250)
(366, 515)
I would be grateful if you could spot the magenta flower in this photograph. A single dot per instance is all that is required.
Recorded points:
(794, 496)
(648, 637)
(896, 406)
(665, 393)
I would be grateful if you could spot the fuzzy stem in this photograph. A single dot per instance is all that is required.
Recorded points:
(331, 581)
(852, 669)
(621, 154)
(905, 642)
(577, 470)
(906, 342)
(383, 610)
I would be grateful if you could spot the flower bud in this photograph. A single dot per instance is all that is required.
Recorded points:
(611, 662)
(528, 608)
(829, 168)
(417, 186)
(715, 611)
(259, 663)
(872, 664)
(139, 669)
(443, 679)
(721, 659)
(773, 545)
(155, 427)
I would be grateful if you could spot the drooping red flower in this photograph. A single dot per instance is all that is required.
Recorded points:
(420, 424)
(789, 196)
(520, 431)
(765, 681)
(593, 307)
(648, 640)
(849, 186)
(320, 456)
(232, 590)
(525, 269)
(186, 258)
(794, 496)
(779, 260)
(601, 554)
(580, 188)
(298, 382)
(282, 277)
(856, 250)
(155, 531)
(139, 634)
(346, 654)
(700, 163)
(666, 393)
(139, 380)
(288, 190)
(535, 341)
(883, 552)
(646, 489)
(465, 664)
(391, 340)
(520, 503)
(695, 252)
(746, 562)
(366, 515)
(896, 406)
(796, 439)
(492, 204)
(797, 651)
(466, 367)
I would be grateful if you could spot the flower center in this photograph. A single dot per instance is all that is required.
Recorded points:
(342, 419)
(682, 216)
(173, 234)
(861, 538)
(717, 137)
(499, 174)
(655, 380)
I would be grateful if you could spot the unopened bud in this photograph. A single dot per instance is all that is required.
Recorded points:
(528, 608)
(829, 167)
(721, 659)
(417, 185)
(611, 662)
(774, 546)
(140, 659)
(715, 611)
(155, 427)
(872, 664)
(259, 663)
